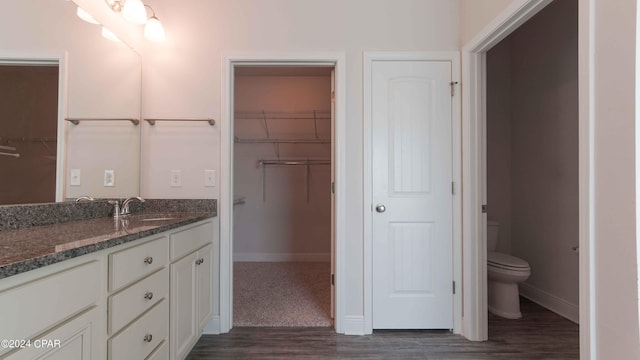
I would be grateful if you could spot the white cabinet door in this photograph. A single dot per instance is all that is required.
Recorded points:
(73, 340)
(412, 172)
(204, 287)
(183, 305)
(191, 299)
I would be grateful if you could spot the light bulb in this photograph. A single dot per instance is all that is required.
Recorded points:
(106, 33)
(134, 12)
(153, 30)
(82, 14)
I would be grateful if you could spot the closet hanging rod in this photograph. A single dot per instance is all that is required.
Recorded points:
(153, 121)
(294, 162)
(283, 141)
(76, 121)
(10, 148)
(10, 154)
(25, 140)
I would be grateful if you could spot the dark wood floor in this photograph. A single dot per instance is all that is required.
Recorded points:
(540, 334)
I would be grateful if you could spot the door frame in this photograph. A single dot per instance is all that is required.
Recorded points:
(474, 167)
(229, 61)
(454, 58)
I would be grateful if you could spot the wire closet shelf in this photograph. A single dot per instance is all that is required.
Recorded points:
(312, 116)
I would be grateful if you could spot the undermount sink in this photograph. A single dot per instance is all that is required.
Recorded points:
(154, 216)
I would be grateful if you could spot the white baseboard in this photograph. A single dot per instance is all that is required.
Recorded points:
(213, 326)
(282, 257)
(353, 325)
(559, 306)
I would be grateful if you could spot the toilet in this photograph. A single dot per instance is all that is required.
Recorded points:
(504, 272)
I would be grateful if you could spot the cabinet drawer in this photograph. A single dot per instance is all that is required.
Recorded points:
(160, 353)
(189, 240)
(139, 339)
(134, 263)
(136, 299)
(43, 303)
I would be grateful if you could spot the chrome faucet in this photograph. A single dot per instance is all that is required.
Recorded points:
(88, 198)
(124, 208)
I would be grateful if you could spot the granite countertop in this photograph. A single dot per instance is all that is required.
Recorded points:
(29, 248)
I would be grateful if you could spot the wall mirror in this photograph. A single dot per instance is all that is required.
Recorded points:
(69, 107)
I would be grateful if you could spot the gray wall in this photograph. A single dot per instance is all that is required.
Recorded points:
(532, 132)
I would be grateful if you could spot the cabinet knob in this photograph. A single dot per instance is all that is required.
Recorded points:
(148, 260)
(148, 338)
(199, 261)
(148, 295)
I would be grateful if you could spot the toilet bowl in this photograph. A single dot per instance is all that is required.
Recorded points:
(504, 272)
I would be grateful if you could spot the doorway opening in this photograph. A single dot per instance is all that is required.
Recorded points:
(283, 205)
(279, 62)
(532, 173)
(473, 135)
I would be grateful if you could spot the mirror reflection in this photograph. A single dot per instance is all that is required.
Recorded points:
(28, 130)
(54, 66)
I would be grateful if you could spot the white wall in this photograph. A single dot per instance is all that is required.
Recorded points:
(616, 300)
(542, 98)
(103, 80)
(281, 223)
(181, 77)
(476, 14)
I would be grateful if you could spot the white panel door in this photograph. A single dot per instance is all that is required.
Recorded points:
(412, 200)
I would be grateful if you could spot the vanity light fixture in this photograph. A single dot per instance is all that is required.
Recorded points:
(82, 14)
(153, 29)
(134, 12)
(108, 34)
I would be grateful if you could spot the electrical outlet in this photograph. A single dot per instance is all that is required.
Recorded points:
(209, 178)
(75, 178)
(109, 178)
(176, 178)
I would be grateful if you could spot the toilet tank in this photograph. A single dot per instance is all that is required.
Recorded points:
(493, 228)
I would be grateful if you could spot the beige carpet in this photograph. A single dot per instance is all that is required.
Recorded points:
(279, 294)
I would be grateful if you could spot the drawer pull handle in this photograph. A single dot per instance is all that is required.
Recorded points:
(148, 260)
(148, 338)
(148, 295)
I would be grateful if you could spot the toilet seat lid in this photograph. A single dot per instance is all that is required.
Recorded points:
(506, 260)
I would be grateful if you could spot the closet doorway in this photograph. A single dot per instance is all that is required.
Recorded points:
(283, 203)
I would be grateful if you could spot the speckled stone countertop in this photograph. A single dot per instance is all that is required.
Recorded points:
(30, 247)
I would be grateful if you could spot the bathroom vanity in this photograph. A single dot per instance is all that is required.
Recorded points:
(140, 287)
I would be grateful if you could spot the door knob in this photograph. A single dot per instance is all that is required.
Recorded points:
(381, 208)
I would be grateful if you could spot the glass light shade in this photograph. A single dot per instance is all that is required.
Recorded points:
(82, 14)
(134, 12)
(153, 30)
(106, 33)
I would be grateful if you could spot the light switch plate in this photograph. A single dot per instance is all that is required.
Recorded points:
(209, 178)
(176, 178)
(109, 178)
(76, 177)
